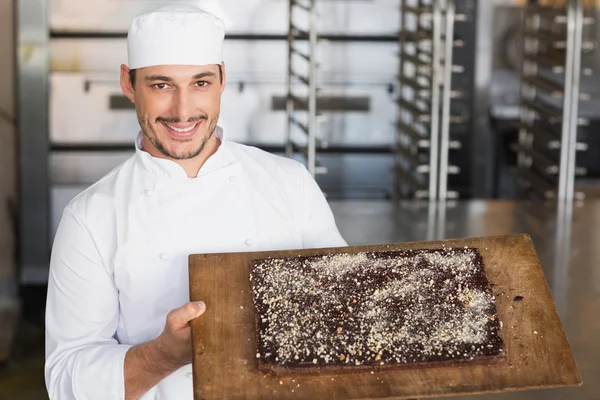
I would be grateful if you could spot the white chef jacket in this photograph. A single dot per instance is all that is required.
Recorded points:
(119, 258)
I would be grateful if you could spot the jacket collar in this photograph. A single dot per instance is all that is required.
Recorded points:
(164, 168)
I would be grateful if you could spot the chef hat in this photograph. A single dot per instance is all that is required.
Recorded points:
(175, 35)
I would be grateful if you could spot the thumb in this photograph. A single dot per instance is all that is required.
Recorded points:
(201, 308)
(183, 315)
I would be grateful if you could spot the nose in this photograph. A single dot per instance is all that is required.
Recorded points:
(183, 106)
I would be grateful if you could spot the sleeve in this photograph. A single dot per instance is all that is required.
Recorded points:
(320, 228)
(83, 358)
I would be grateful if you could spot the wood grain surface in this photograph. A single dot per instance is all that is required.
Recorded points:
(224, 338)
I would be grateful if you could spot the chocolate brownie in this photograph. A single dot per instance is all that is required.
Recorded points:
(374, 310)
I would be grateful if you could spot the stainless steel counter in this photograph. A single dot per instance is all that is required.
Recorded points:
(567, 242)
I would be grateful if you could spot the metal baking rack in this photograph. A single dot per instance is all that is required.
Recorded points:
(550, 95)
(423, 139)
(301, 102)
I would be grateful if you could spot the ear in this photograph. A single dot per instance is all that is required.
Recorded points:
(224, 76)
(126, 85)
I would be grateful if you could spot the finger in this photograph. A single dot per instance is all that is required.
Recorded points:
(182, 316)
(201, 307)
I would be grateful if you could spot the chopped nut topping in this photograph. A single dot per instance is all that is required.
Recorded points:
(397, 307)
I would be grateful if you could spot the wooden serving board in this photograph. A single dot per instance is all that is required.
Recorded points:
(225, 347)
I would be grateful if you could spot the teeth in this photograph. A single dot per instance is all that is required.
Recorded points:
(181, 130)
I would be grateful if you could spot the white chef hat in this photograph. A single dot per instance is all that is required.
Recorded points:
(175, 35)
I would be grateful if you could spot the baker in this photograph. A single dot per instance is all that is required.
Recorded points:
(118, 310)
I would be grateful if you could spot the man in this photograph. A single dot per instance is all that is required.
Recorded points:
(117, 311)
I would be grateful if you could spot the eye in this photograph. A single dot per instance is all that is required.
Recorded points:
(202, 83)
(160, 85)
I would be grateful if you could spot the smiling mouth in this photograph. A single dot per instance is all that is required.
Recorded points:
(180, 131)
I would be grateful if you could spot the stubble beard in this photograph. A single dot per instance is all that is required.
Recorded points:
(150, 132)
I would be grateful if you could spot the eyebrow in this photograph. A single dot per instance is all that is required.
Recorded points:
(152, 78)
(204, 75)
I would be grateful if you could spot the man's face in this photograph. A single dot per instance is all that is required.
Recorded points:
(177, 107)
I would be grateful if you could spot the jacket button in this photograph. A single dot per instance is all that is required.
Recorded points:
(163, 256)
(248, 242)
(148, 192)
(232, 179)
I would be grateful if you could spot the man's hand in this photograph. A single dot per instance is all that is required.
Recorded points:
(176, 339)
(148, 363)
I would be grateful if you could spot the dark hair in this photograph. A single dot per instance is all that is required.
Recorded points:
(132, 75)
